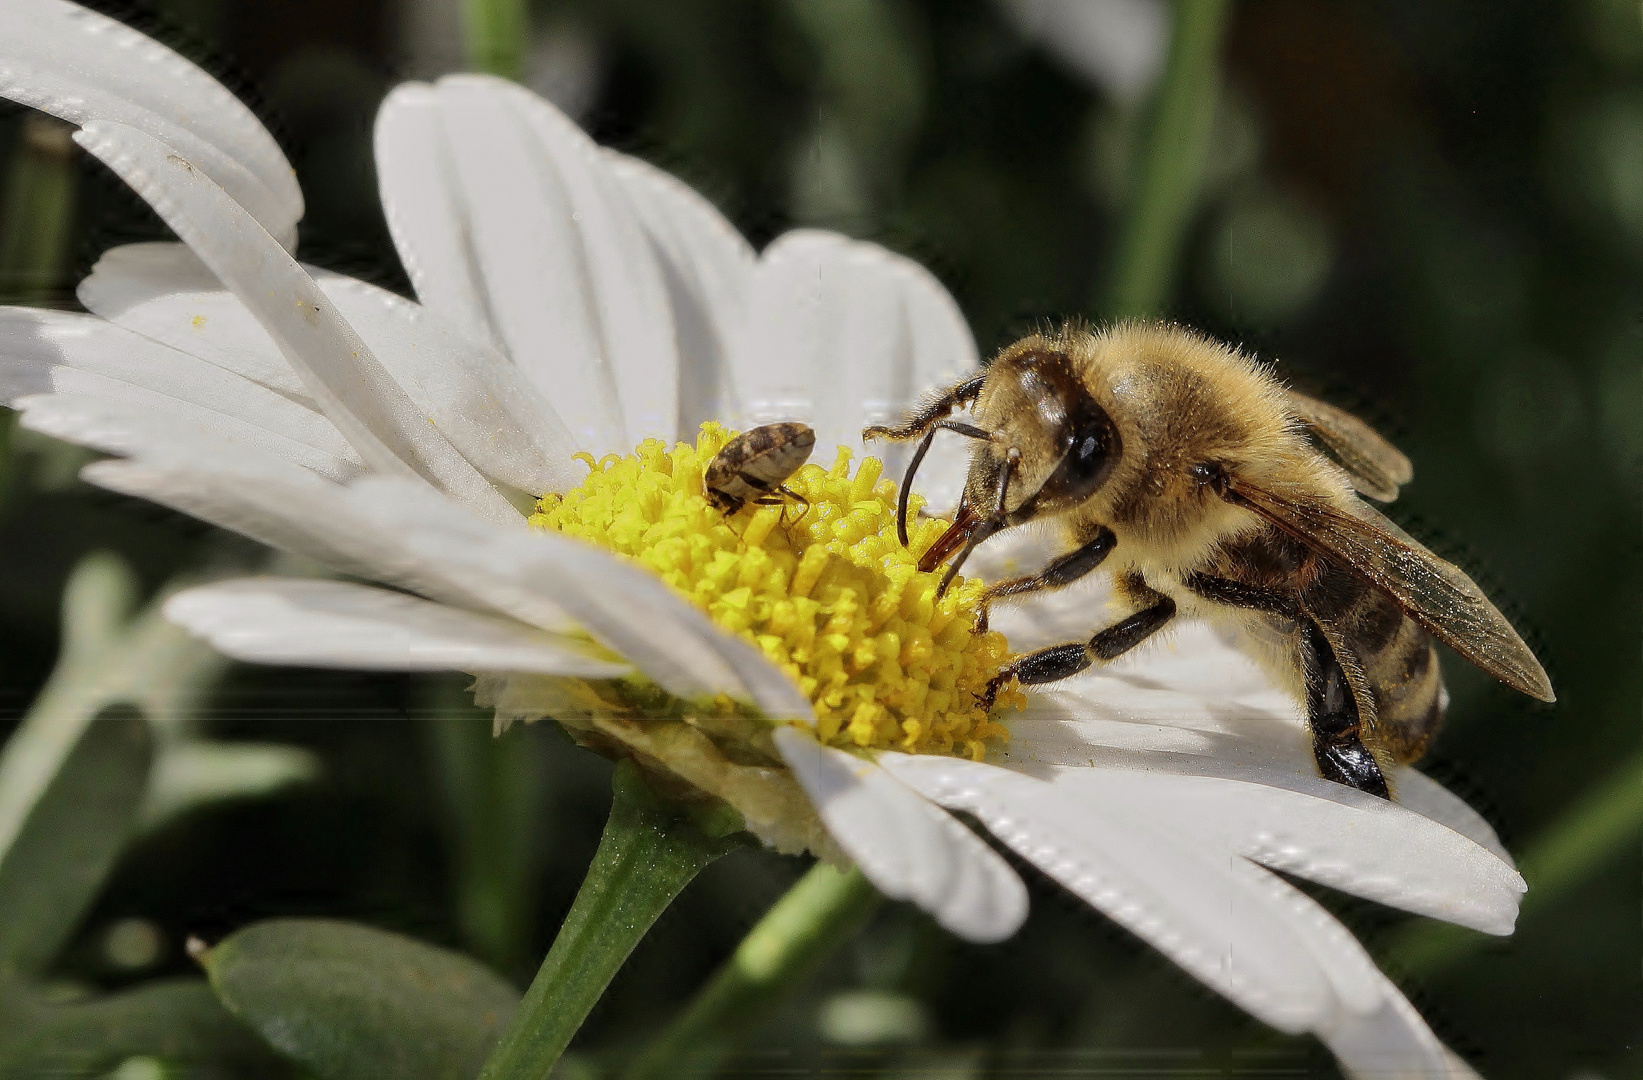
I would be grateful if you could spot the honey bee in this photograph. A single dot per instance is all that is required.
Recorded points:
(1182, 467)
(755, 466)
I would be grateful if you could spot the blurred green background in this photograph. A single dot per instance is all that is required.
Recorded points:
(1429, 212)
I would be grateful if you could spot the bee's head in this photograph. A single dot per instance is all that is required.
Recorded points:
(1052, 444)
(1049, 447)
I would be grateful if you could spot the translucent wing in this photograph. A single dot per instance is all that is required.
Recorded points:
(1433, 592)
(1377, 467)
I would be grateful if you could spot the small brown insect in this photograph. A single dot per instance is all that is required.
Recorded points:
(754, 467)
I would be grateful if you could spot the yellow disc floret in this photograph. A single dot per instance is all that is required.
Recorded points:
(826, 592)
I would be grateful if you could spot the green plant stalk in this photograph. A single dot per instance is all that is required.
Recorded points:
(497, 31)
(648, 853)
(1169, 163)
(824, 909)
(493, 789)
(1569, 851)
(39, 210)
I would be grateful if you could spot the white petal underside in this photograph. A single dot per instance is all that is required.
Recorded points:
(54, 351)
(706, 265)
(909, 849)
(337, 368)
(840, 333)
(83, 67)
(341, 625)
(550, 251)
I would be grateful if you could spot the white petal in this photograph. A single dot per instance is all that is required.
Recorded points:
(163, 292)
(1392, 1041)
(841, 333)
(289, 508)
(427, 210)
(629, 295)
(1214, 915)
(628, 609)
(337, 624)
(706, 265)
(84, 67)
(266, 499)
(907, 848)
(568, 281)
(1425, 796)
(162, 429)
(1330, 834)
(352, 388)
(45, 351)
(473, 394)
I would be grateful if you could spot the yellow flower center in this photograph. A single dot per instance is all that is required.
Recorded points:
(827, 593)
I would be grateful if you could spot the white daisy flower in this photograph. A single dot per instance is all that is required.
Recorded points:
(484, 454)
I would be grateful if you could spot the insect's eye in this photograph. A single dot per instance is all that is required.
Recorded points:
(1091, 449)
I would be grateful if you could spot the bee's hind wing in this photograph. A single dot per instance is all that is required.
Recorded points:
(1377, 468)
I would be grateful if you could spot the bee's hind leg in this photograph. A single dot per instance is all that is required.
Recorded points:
(1337, 727)
(1064, 661)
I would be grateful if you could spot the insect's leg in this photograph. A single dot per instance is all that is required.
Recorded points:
(1059, 571)
(923, 418)
(1238, 594)
(1332, 713)
(1064, 661)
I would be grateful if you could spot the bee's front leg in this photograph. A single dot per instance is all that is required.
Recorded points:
(1060, 571)
(922, 420)
(1064, 661)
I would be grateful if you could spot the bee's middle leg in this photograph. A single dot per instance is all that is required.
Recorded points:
(1064, 661)
(1060, 571)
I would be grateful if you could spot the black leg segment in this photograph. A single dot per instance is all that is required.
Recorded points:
(1059, 571)
(1064, 661)
(1332, 713)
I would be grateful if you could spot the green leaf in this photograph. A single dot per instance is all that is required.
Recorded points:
(70, 837)
(348, 1002)
(176, 1020)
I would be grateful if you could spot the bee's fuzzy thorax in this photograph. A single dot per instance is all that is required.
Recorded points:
(1180, 399)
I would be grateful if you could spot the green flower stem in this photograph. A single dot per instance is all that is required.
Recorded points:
(39, 208)
(1169, 162)
(649, 852)
(497, 31)
(493, 791)
(1559, 859)
(820, 912)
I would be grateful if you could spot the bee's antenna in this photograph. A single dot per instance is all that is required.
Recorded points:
(969, 431)
(907, 485)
